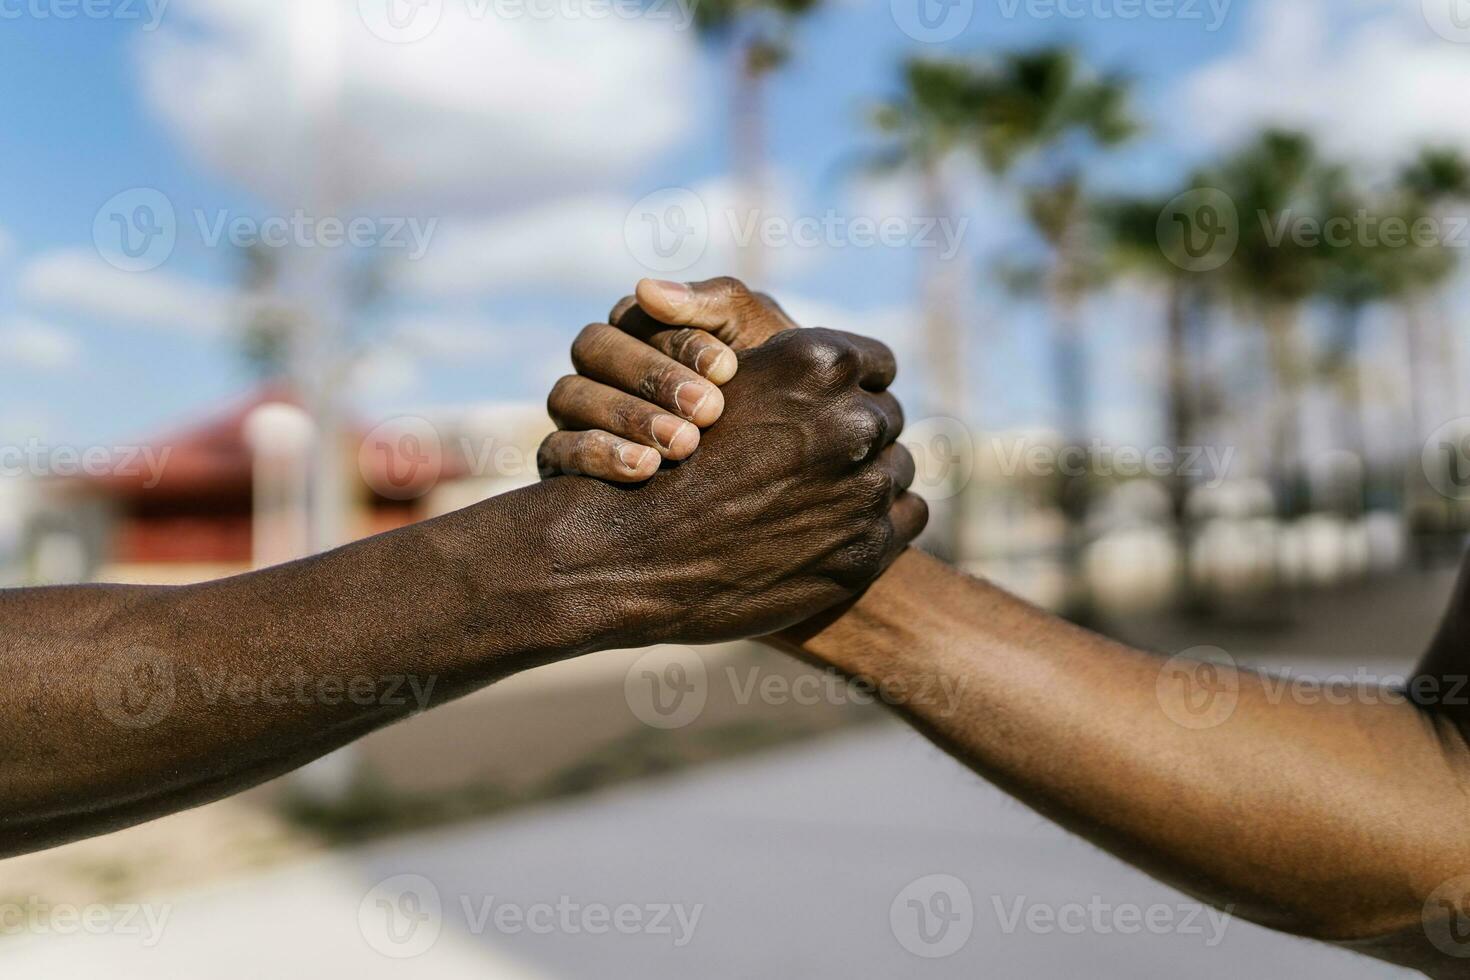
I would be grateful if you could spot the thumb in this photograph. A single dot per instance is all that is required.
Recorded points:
(723, 306)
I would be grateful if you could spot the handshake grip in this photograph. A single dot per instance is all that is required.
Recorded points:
(795, 501)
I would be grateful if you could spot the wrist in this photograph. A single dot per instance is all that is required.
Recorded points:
(889, 626)
(530, 581)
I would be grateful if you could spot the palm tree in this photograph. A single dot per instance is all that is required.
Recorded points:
(1130, 230)
(1044, 113)
(1355, 275)
(756, 35)
(1040, 112)
(1044, 117)
(1436, 180)
(934, 115)
(1276, 182)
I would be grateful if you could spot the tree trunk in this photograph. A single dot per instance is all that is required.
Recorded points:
(1352, 429)
(747, 133)
(941, 283)
(1284, 454)
(1071, 377)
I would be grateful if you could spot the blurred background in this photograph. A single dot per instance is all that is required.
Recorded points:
(1176, 290)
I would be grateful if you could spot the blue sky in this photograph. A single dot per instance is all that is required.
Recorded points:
(85, 120)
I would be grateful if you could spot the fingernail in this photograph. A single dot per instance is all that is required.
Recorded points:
(665, 429)
(690, 396)
(717, 365)
(675, 437)
(633, 456)
(674, 293)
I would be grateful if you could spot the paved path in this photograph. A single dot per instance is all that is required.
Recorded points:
(798, 863)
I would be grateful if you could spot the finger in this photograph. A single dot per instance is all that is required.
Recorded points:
(604, 353)
(692, 347)
(909, 515)
(876, 365)
(898, 463)
(724, 307)
(597, 454)
(580, 403)
(891, 411)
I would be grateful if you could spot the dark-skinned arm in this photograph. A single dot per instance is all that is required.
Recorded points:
(120, 704)
(1344, 819)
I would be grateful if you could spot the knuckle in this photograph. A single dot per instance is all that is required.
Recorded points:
(657, 384)
(631, 416)
(862, 431)
(728, 287)
(824, 354)
(686, 343)
(862, 560)
(873, 489)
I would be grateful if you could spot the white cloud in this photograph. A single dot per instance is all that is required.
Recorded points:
(1372, 81)
(485, 111)
(78, 281)
(33, 343)
(575, 241)
(589, 244)
(449, 338)
(385, 373)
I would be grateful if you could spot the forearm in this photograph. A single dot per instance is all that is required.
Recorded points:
(120, 704)
(1333, 820)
